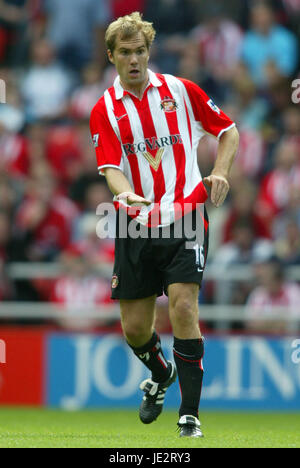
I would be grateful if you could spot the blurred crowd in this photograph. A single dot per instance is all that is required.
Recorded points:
(244, 54)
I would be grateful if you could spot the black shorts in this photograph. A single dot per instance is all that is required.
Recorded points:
(147, 266)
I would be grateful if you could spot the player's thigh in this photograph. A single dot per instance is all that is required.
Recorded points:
(138, 313)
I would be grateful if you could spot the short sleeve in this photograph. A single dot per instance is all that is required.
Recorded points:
(107, 145)
(213, 120)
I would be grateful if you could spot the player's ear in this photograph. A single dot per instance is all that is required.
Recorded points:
(110, 57)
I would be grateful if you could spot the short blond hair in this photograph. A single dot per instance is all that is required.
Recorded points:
(126, 27)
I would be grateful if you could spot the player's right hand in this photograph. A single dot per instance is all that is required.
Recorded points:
(133, 199)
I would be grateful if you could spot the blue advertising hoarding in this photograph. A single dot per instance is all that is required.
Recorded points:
(88, 371)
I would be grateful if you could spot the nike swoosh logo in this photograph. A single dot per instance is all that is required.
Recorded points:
(119, 118)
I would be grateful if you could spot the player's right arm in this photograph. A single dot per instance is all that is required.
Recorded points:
(121, 188)
(110, 157)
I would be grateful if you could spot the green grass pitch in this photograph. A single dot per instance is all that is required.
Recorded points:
(43, 428)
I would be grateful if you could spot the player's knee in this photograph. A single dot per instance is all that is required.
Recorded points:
(134, 332)
(183, 313)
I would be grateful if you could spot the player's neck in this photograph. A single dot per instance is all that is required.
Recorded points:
(137, 91)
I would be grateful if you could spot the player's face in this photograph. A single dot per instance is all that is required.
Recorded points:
(131, 57)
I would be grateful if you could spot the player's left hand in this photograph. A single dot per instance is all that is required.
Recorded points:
(219, 188)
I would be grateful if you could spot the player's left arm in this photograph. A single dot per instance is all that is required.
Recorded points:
(218, 180)
(216, 123)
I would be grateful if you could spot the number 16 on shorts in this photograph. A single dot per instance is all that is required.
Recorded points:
(200, 259)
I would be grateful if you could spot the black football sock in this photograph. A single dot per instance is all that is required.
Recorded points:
(188, 356)
(151, 355)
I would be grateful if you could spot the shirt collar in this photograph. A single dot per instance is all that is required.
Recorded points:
(120, 92)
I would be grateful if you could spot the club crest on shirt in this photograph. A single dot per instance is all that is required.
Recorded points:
(114, 281)
(213, 106)
(168, 104)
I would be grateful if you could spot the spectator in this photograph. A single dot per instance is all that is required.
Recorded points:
(11, 114)
(252, 108)
(279, 98)
(96, 239)
(64, 153)
(219, 41)
(43, 231)
(46, 86)
(291, 125)
(6, 287)
(76, 29)
(96, 193)
(245, 10)
(287, 247)
(272, 291)
(80, 291)
(11, 192)
(243, 207)
(14, 159)
(88, 169)
(277, 184)
(41, 173)
(171, 16)
(5, 236)
(293, 208)
(293, 10)
(290, 215)
(14, 16)
(242, 250)
(268, 43)
(293, 6)
(98, 251)
(91, 89)
(173, 19)
(251, 153)
(189, 66)
(294, 203)
(36, 136)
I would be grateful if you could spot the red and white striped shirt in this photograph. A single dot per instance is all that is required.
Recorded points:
(154, 141)
(221, 47)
